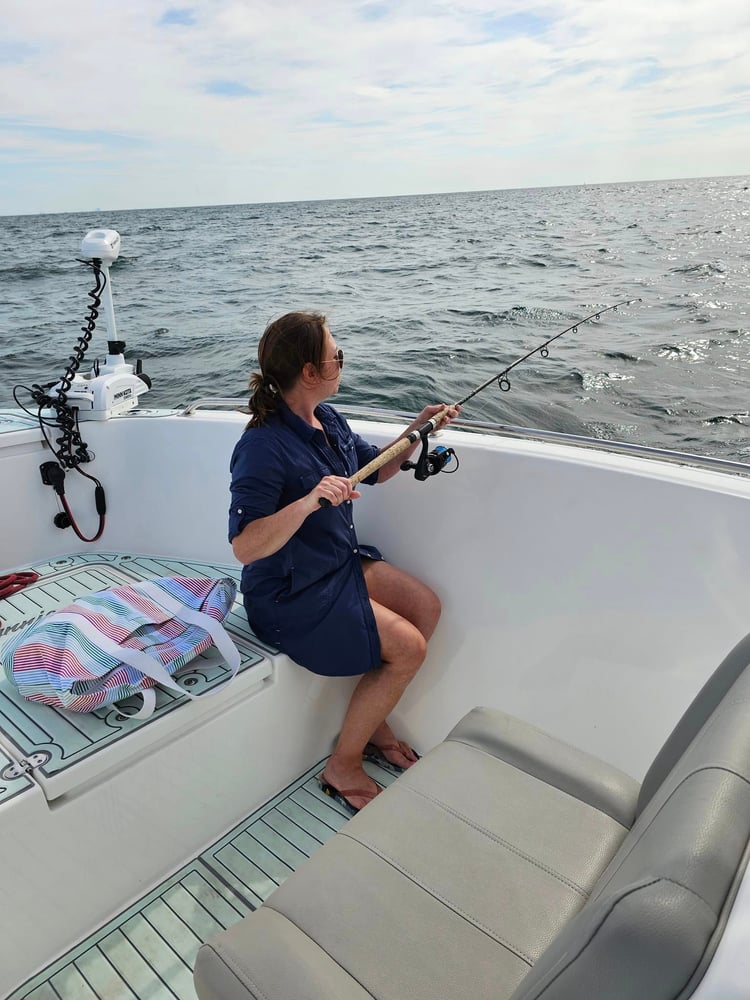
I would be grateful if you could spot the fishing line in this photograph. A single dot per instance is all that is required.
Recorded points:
(543, 349)
(431, 463)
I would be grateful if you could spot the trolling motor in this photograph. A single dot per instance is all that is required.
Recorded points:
(111, 387)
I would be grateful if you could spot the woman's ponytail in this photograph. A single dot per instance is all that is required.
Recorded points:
(264, 395)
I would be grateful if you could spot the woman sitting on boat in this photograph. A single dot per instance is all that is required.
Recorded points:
(330, 603)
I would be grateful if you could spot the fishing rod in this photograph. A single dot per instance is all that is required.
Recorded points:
(431, 463)
(543, 349)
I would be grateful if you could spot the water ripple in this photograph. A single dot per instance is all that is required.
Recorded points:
(429, 295)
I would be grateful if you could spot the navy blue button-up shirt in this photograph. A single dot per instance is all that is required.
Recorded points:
(309, 598)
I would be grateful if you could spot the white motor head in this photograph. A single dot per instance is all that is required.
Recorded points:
(102, 244)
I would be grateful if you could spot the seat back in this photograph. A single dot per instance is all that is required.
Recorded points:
(693, 720)
(655, 915)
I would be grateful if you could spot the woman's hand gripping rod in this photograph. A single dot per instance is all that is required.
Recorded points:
(397, 448)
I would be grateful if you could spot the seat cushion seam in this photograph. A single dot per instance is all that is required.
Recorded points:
(514, 949)
(674, 881)
(499, 840)
(551, 784)
(317, 944)
(641, 833)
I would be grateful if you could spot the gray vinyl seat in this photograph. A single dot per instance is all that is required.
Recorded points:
(508, 865)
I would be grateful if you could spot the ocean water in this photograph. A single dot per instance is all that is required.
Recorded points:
(429, 296)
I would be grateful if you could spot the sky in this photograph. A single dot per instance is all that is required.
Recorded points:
(147, 104)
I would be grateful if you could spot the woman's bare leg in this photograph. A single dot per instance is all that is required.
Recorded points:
(406, 613)
(415, 601)
(403, 648)
(402, 593)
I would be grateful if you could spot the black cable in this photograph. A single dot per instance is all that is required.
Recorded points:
(66, 415)
(71, 451)
(38, 415)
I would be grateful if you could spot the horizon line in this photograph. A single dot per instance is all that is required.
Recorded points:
(375, 197)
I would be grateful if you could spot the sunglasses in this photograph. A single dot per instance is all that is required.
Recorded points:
(339, 357)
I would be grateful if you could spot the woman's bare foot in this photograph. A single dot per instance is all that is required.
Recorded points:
(351, 781)
(396, 752)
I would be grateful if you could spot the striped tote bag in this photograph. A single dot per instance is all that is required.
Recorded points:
(116, 643)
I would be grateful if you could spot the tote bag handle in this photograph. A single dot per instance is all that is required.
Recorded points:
(149, 666)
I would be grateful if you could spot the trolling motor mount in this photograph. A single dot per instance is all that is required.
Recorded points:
(110, 388)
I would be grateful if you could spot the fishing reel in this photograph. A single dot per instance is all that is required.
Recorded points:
(432, 462)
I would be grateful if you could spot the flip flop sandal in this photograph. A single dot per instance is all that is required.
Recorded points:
(377, 756)
(340, 794)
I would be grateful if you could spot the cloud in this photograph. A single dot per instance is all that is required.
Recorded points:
(644, 74)
(230, 88)
(60, 136)
(374, 11)
(512, 25)
(184, 16)
(270, 100)
(14, 52)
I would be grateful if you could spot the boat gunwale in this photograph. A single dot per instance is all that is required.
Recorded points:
(705, 462)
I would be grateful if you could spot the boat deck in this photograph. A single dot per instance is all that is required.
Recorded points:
(59, 741)
(147, 952)
(12, 782)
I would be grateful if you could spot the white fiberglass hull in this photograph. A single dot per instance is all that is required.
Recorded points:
(588, 592)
